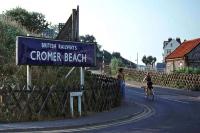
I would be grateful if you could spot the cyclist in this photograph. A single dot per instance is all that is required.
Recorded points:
(149, 88)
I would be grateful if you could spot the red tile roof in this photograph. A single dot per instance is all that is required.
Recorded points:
(184, 49)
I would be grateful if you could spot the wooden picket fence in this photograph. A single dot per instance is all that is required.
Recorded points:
(177, 80)
(19, 104)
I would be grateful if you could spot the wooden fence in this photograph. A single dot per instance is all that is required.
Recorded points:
(178, 80)
(19, 104)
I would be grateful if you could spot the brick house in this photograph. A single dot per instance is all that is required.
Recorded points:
(185, 55)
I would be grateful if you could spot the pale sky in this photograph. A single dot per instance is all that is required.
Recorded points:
(125, 26)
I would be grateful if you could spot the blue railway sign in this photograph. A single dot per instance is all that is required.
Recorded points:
(38, 51)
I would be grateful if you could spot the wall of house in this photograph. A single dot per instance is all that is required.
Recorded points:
(169, 66)
(175, 64)
(180, 63)
(169, 47)
(194, 57)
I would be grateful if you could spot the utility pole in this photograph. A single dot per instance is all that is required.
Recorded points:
(75, 37)
(103, 62)
(137, 60)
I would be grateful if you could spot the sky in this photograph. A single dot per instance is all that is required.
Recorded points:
(125, 26)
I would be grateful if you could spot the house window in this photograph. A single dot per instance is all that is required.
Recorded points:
(171, 45)
(168, 51)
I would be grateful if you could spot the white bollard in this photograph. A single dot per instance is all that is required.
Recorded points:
(72, 95)
(79, 105)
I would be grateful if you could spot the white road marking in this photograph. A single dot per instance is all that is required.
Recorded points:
(166, 98)
(145, 114)
(174, 100)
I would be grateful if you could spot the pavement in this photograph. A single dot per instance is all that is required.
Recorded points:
(128, 109)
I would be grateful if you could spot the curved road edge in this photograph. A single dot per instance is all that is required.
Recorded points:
(146, 112)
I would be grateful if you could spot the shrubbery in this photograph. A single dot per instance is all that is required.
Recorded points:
(188, 70)
(13, 74)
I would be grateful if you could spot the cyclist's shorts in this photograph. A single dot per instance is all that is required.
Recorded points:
(150, 85)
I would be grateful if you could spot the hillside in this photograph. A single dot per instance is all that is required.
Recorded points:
(108, 56)
(13, 74)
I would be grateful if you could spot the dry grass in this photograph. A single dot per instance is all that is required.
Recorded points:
(7, 20)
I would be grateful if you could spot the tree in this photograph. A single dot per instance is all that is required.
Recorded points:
(8, 33)
(116, 55)
(33, 21)
(90, 39)
(18, 14)
(144, 60)
(107, 57)
(150, 60)
(154, 61)
(37, 22)
(51, 32)
(54, 27)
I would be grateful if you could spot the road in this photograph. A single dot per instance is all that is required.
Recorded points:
(172, 111)
(176, 111)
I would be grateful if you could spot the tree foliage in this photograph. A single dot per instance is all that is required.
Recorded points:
(144, 60)
(150, 60)
(33, 21)
(8, 33)
(116, 54)
(89, 39)
(16, 75)
(13, 74)
(108, 57)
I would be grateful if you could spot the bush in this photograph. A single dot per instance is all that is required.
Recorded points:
(9, 31)
(115, 64)
(188, 70)
(11, 73)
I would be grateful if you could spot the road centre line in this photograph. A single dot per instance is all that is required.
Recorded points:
(174, 100)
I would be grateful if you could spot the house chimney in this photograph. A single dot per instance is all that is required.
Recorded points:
(169, 39)
(178, 40)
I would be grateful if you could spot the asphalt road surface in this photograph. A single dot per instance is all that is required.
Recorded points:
(172, 111)
(175, 111)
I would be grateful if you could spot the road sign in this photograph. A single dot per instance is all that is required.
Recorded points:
(38, 51)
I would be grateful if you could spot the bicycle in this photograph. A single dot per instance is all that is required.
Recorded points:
(149, 92)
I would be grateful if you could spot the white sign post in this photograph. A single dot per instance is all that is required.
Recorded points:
(28, 77)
